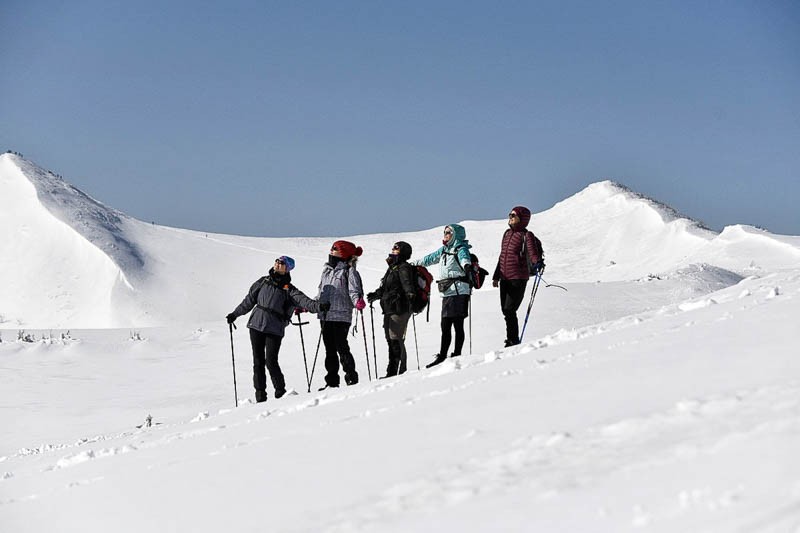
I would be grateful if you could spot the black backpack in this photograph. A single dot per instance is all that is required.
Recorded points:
(477, 276)
(537, 248)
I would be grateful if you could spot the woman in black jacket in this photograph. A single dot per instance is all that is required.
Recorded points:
(274, 299)
(396, 293)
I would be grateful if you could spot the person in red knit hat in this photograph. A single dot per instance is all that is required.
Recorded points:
(340, 286)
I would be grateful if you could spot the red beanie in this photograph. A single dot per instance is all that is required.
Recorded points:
(347, 249)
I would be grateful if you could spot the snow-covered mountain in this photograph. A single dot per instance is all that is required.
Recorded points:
(79, 263)
(661, 392)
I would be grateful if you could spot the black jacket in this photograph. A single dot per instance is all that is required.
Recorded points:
(397, 289)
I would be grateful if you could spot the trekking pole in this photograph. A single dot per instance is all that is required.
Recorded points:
(319, 341)
(366, 350)
(374, 350)
(300, 324)
(416, 346)
(233, 361)
(530, 304)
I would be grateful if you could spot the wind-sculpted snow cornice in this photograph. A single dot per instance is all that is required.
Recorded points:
(97, 223)
(667, 212)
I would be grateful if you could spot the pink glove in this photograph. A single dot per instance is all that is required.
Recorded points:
(361, 304)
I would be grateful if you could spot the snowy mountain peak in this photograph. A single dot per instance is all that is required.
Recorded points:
(609, 192)
(71, 262)
(97, 223)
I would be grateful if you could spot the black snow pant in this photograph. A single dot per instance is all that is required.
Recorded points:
(512, 293)
(457, 323)
(334, 335)
(265, 354)
(395, 328)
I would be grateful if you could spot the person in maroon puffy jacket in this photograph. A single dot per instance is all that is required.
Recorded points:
(512, 271)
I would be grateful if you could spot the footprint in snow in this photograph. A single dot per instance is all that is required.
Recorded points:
(448, 367)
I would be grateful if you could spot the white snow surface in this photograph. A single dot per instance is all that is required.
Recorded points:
(660, 393)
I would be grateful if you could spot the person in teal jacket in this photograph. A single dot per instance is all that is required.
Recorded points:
(454, 266)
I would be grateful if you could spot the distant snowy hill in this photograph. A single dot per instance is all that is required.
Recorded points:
(70, 261)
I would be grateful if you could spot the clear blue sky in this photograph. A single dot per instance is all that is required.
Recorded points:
(338, 118)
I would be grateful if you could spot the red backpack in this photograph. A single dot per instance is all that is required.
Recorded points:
(424, 280)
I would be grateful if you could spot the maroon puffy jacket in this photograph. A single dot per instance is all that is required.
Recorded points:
(511, 264)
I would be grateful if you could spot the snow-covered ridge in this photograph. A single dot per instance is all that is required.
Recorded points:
(77, 262)
(98, 223)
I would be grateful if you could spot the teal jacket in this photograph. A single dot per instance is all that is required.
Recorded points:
(451, 258)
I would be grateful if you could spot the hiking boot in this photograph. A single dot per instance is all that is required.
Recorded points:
(455, 355)
(261, 396)
(351, 380)
(439, 359)
(279, 393)
(328, 387)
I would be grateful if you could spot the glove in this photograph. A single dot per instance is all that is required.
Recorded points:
(360, 304)
(230, 317)
(298, 310)
(495, 283)
(324, 306)
(371, 297)
(538, 267)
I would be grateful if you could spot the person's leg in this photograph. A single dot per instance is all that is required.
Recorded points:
(458, 325)
(391, 367)
(258, 343)
(512, 293)
(341, 330)
(273, 346)
(447, 336)
(331, 357)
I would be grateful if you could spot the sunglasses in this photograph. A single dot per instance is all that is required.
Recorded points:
(395, 247)
(280, 262)
(448, 232)
(334, 249)
(512, 215)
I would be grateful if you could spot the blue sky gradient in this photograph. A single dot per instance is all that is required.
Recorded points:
(340, 118)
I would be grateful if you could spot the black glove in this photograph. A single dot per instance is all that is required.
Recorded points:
(324, 306)
(538, 267)
(371, 297)
(230, 317)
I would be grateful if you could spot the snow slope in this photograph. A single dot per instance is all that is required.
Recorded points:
(682, 418)
(661, 392)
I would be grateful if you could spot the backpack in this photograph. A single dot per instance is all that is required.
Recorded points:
(537, 248)
(478, 274)
(423, 280)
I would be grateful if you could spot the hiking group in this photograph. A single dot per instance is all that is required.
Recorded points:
(403, 291)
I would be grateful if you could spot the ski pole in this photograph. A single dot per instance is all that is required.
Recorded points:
(530, 304)
(300, 324)
(319, 341)
(374, 350)
(366, 350)
(233, 361)
(416, 346)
